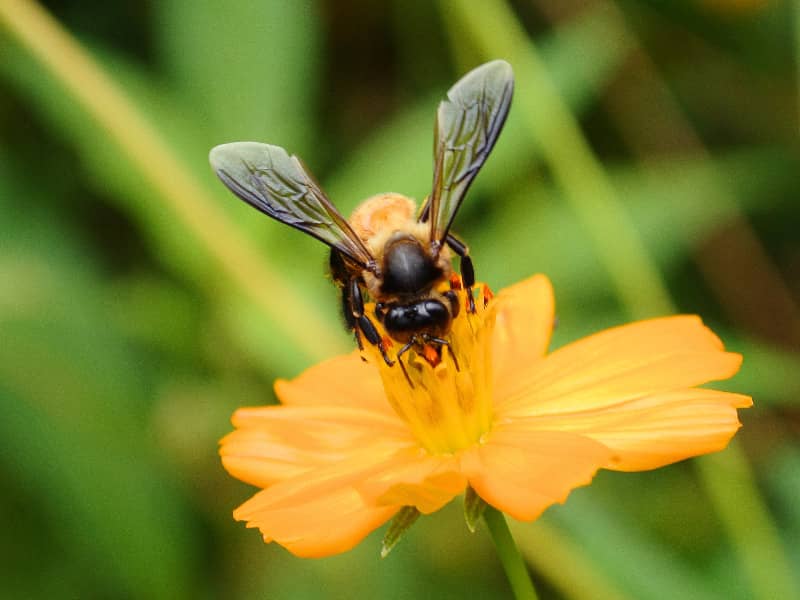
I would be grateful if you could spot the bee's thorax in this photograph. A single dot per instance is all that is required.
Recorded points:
(408, 267)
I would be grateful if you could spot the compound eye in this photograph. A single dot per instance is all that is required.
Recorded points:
(437, 313)
(434, 308)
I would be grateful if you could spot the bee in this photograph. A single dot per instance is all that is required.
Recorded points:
(388, 252)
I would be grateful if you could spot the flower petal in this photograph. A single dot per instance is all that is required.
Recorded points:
(344, 380)
(522, 473)
(291, 510)
(522, 330)
(322, 511)
(426, 482)
(618, 365)
(657, 430)
(274, 443)
(325, 525)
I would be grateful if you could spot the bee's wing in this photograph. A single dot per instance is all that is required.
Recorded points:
(467, 126)
(278, 185)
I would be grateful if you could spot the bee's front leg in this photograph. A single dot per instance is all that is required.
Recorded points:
(363, 322)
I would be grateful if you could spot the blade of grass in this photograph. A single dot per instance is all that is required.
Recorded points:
(727, 476)
(117, 182)
(494, 29)
(732, 259)
(796, 23)
(261, 87)
(74, 398)
(409, 132)
(617, 242)
(93, 88)
(763, 178)
(643, 566)
(730, 482)
(548, 550)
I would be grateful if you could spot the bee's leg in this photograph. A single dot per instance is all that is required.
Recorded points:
(350, 319)
(358, 339)
(466, 267)
(363, 323)
(402, 351)
(443, 342)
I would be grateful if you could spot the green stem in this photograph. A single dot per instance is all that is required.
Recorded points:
(513, 564)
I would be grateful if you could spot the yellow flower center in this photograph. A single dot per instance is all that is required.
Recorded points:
(447, 406)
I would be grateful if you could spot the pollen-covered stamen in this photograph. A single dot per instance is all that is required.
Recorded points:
(487, 294)
(431, 354)
(443, 391)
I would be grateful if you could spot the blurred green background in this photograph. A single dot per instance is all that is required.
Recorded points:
(649, 166)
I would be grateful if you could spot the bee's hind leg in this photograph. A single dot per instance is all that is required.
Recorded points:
(466, 267)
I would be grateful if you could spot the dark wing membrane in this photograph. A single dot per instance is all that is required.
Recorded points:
(278, 185)
(467, 126)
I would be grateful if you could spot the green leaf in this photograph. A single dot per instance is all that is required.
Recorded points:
(474, 506)
(401, 522)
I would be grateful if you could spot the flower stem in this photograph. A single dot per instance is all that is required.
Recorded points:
(513, 564)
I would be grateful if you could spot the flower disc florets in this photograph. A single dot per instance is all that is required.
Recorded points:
(446, 401)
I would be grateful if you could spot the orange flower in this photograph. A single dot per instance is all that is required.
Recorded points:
(522, 428)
